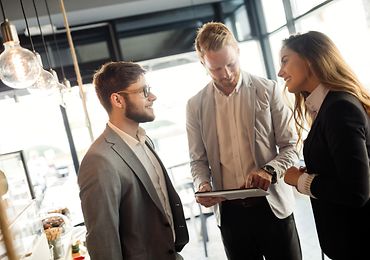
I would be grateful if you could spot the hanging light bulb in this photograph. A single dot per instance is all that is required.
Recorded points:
(46, 80)
(19, 67)
(66, 83)
(60, 86)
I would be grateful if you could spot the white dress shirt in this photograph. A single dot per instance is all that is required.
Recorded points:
(234, 145)
(313, 104)
(151, 165)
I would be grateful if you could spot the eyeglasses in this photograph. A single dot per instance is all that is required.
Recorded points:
(145, 90)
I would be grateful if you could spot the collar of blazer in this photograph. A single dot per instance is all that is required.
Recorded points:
(130, 159)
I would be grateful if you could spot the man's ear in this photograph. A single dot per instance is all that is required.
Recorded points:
(117, 100)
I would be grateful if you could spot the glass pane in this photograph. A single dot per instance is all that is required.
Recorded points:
(85, 52)
(251, 58)
(274, 14)
(242, 26)
(92, 51)
(300, 7)
(236, 18)
(275, 40)
(157, 44)
(351, 34)
(77, 118)
(39, 131)
(173, 86)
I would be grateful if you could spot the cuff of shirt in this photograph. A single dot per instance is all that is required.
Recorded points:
(304, 184)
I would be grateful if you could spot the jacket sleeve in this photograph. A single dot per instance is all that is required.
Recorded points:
(285, 135)
(346, 132)
(198, 156)
(100, 193)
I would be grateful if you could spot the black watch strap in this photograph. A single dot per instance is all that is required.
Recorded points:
(271, 170)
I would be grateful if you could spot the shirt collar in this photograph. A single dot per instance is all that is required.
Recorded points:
(316, 98)
(236, 89)
(132, 142)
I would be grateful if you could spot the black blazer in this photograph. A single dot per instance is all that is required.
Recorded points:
(337, 150)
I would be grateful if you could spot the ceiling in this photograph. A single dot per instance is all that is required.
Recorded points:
(85, 12)
(81, 12)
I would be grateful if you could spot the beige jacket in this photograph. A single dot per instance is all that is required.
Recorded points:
(271, 133)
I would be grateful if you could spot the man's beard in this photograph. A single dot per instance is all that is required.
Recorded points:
(133, 113)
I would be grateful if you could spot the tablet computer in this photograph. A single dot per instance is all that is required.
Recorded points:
(233, 193)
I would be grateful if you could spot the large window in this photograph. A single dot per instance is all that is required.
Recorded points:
(276, 40)
(274, 14)
(157, 44)
(351, 35)
(33, 124)
(251, 58)
(300, 7)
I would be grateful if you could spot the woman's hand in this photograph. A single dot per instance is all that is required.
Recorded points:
(292, 175)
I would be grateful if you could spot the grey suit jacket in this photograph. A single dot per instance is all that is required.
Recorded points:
(271, 133)
(123, 214)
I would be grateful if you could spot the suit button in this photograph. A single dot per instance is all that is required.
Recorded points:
(171, 251)
(167, 225)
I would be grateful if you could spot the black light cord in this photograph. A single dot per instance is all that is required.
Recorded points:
(55, 40)
(42, 35)
(2, 10)
(28, 29)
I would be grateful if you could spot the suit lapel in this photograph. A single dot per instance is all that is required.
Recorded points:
(210, 134)
(249, 108)
(128, 156)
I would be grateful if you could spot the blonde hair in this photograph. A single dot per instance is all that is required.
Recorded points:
(213, 36)
(330, 68)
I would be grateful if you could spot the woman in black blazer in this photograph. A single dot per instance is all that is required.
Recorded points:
(332, 101)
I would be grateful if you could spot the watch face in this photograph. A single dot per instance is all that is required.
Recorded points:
(269, 169)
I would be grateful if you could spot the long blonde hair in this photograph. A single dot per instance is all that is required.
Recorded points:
(330, 68)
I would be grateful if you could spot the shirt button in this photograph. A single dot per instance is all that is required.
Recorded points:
(171, 251)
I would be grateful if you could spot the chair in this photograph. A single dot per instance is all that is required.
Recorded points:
(184, 186)
(188, 188)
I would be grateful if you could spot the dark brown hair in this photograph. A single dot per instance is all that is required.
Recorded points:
(113, 77)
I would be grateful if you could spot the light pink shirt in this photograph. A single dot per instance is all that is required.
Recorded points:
(235, 155)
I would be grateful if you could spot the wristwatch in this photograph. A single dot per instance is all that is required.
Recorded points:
(270, 170)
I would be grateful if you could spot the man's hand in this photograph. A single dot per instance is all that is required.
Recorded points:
(258, 179)
(292, 175)
(207, 201)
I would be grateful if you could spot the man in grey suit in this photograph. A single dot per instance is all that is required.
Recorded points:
(130, 207)
(240, 135)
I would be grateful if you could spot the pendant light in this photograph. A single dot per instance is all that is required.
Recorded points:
(47, 79)
(66, 82)
(19, 67)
